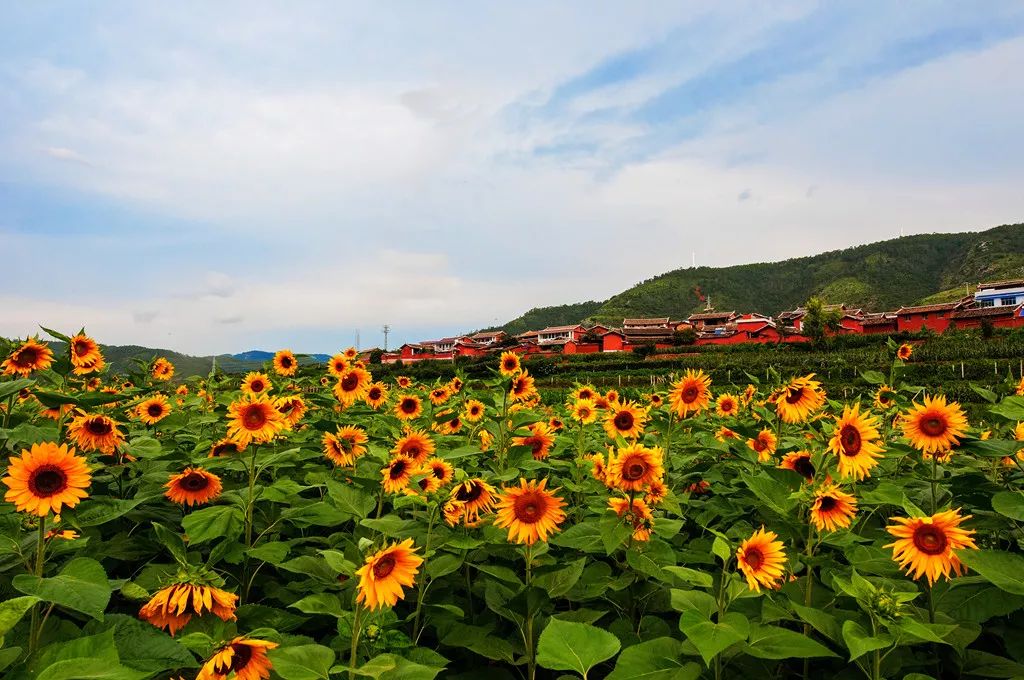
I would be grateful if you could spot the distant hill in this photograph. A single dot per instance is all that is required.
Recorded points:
(878, 276)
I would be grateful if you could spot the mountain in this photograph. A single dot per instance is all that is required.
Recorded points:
(878, 276)
(259, 356)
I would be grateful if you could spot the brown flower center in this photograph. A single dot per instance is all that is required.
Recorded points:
(222, 449)
(194, 481)
(933, 425)
(82, 347)
(690, 394)
(99, 427)
(804, 467)
(26, 356)
(286, 362)
(827, 503)
(383, 566)
(48, 480)
(624, 421)
(241, 655)
(374, 393)
(794, 395)
(633, 470)
(930, 540)
(849, 439)
(529, 508)
(155, 410)
(398, 469)
(257, 386)
(754, 558)
(408, 406)
(350, 382)
(469, 492)
(253, 418)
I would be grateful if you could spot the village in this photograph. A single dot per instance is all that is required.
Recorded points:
(998, 303)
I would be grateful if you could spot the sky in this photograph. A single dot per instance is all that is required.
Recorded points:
(218, 177)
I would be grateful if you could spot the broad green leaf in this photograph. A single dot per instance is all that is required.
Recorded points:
(1011, 408)
(614, 532)
(693, 601)
(558, 581)
(144, 647)
(274, 552)
(1002, 569)
(351, 499)
(100, 510)
(320, 603)
(873, 377)
(860, 642)
(1009, 503)
(567, 646)
(929, 632)
(12, 610)
(394, 667)
(691, 576)
(14, 386)
(822, 622)
(90, 669)
(215, 522)
(658, 659)
(145, 447)
(644, 564)
(984, 665)
(772, 642)
(977, 602)
(585, 536)
(81, 585)
(711, 639)
(302, 662)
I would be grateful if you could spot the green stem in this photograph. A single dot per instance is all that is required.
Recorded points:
(531, 654)
(876, 665)
(356, 631)
(809, 588)
(10, 409)
(935, 481)
(423, 581)
(36, 632)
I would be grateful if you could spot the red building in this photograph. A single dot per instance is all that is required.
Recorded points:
(933, 317)
(1005, 316)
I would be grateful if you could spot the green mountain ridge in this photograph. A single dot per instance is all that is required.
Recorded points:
(877, 276)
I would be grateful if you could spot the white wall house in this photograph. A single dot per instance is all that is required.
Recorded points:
(1000, 293)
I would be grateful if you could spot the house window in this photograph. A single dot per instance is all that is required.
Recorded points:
(988, 303)
(1008, 301)
(924, 317)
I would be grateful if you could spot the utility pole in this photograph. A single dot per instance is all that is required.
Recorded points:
(385, 329)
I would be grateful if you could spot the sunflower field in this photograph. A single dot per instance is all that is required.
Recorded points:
(308, 522)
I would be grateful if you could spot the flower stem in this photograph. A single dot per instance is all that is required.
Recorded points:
(423, 581)
(36, 631)
(356, 631)
(531, 653)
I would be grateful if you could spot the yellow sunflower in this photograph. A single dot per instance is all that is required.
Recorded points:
(225, 447)
(904, 351)
(153, 410)
(385, 573)
(584, 411)
(337, 365)
(256, 383)
(439, 395)
(726, 405)
(409, 407)
(95, 433)
(31, 355)
(583, 392)
(476, 497)
(762, 560)
(415, 445)
(854, 443)
(285, 363)
(173, 606)
(832, 508)
(473, 410)
(529, 511)
(691, 393)
(635, 467)
(243, 656)
(193, 486)
(376, 395)
(927, 546)
(85, 355)
(46, 477)
(398, 473)
(292, 407)
(509, 364)
(540, 440)
(885, 397)
(403, 381)
(797, 401)
(625, 419)
(612, 396)
(346, 445)
(351, 353)
(441, 470)
(800, 463)
(764, 445)
(523, 388)
(162, 370)
(254, 419)
(352, 385)
(637, 513)
(934, 427)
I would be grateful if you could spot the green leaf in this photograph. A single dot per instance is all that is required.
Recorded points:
(772, 642)
(216, 522)
(977, 602)
(774, 495)
(81, 585)
(658, 659)
(693, 601)
(14, 386)
(1009, 504)
(1011, 408)
(822, 622)
(644, 564)
(873, 377)
(614, 532)
(860, 642)
(394, 667)
(987, 665)
(351, 499)
(721, 549)
(145, 447)
(559, 581)
(12, 610)
(691, 576)
(585, 536)
(986, 394)
(567, 646)
(320, 603)
(302, 662)
(100, 510)
(89, 669)
(929, 632)
(274, 552)
(711, 639)
(1002, 569)
(143, 647)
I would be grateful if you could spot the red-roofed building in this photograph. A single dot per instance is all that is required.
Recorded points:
(933, 317)
(1002, 316)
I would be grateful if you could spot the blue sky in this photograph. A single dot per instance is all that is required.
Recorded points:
(215, 177)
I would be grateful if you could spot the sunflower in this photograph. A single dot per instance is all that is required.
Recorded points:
(173, 606)
(292, 407)
(337, 365)
(523, 388)
(926, 545)
(1019, 391)
(245, 657)
(384, 574)
(439, 395)
(351, 353)
(415, 445)
(285, 363)
(256, 383)
(699, 488)
(638, 514)
(600, 403)
(408, 407)
(473, 411)
(797, 401)
(181, 390)
(599, 467)
(425, 485)
(46, 477)
(726, 405)
(691, 393)
(555, 424)
(748, 394)
(832, 509)
(455, 385)
(254, 419)
(800, 463)
(885, 397)
(95, 433)
(153, 410)
(85, 355)
(854, 443)
(624, 419)
(933, 427)
(540, 440)
(584, 411)
(193, 486)
(612, 396)
(352, 385)
(32, 355)
(162, 370)
(453, 511)
(656, 492)
(398, 473)
(346, 445)
(583, 392)
(441, 470)
(761, 558)
(529, 511)
(634, 467)
(56, 413)
(225, 447)
(403, 381)
(476, 496)
(509, 364)
(764, 445)
(376, 395)
(450, 425)
(724, 433)
(655, 400)
(904, 352)
(486, 439)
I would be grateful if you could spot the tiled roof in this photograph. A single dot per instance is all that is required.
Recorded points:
(921, 309)
(982, 312)
(1008, 283)
(703, 316)
(661, 321)
(559, 329)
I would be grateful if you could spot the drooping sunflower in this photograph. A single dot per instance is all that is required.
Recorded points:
(85, 355)
(162, 370)
(453, 511)
(509, 364)
(764, 445)
(726, 405)
(285, 363)
(32, 355)
(486, 439)
(352, 385)
(173, 606)
(46, 477)
(181, 390)
(245, 657)
(376, 395)
(885, 397)
(439, 395)
(95, 433)
(415, 445)
(1019, 391)
(346, 445)
(584, 411)
(854, 443)
(800, 463)
(337, 365)
(523, 387)
(385, 573)
(934, 426)
(637, 513)
(797, 401)
(449, 425)
(225, 447)
(408, 407)
(691, 393)
(762, 559)
(904, 351)
(254, 419)
(832, 508)
(441, 470)
(193, 486)
(556, 424)
(455, 385)
(153, 410)
(748, 394)
(256, 383)
(625, 419)
(635, 466)
(926, 545)
(473, 410)
(725, 433)
(398, 473)
(540, 440)
(292, 407)
(476, 497)
(599, 467)
(529, 511)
